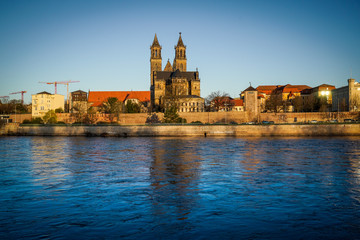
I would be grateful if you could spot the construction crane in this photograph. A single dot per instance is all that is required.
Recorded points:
(65, 83)
(22, 95)
(4, 97)
(67, 88)
(55, 83)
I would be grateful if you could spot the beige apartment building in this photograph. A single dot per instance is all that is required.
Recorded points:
(44, 101)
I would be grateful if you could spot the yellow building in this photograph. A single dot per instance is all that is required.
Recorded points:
(323, 90)
(44, 101)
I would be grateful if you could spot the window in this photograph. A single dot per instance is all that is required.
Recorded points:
(155, 53)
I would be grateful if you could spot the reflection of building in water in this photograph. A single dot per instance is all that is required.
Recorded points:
(48, 160)
(251, 163)
(173, 175)
(353, 155)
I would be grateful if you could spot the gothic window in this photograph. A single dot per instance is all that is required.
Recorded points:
(155, 53)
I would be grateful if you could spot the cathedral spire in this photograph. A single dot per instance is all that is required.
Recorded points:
(168, 67)
(180, 56)
(180, 42)
(155, 42)
(155, 58)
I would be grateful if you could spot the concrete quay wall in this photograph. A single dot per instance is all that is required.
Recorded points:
(210, 117)
(189, 131)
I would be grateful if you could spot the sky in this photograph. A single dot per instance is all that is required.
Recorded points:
(105, 45)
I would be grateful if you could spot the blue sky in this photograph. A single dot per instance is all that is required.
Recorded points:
(105, 44)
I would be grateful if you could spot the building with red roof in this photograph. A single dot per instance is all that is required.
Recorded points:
(96, 98)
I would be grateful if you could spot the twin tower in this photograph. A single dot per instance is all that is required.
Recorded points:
(174, 83)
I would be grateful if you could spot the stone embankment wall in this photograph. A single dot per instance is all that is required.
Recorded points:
(188, 131)
(213, 117)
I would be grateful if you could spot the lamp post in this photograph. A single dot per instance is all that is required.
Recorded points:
(15, 112)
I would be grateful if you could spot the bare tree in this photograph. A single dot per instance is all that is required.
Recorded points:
(355, 102)
(343, 105)
(274, 103)
(310, 103)
(217, 101)
(298, 104)
(323, 104)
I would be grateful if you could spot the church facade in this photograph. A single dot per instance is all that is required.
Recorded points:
(174, 86)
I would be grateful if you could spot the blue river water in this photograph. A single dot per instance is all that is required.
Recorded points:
(179, 188)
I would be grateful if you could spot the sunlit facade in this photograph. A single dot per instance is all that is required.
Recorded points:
(44, 101)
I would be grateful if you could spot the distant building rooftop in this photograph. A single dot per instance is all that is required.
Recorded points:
(98, 97)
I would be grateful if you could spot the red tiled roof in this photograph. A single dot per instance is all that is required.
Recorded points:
(238, 102)
(98, 97)
(267, 89)
(294, 88)
(324, 86)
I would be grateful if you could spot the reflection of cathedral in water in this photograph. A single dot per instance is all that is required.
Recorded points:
(174, 173)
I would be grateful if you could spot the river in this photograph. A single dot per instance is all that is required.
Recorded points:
(179, 188)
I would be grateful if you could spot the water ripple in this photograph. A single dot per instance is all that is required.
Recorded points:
(172, 188)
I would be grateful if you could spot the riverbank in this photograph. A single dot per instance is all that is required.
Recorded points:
(186, 130)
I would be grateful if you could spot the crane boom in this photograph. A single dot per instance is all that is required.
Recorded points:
(55, 83)
(22, 95)
(67, 88)
(65, 83)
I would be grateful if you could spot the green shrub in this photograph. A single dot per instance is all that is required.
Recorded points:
(102, 123)
(59, 110)
(37, 120)
(50, 117)
(152, 119)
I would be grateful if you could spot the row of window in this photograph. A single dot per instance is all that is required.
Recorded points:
(191, 110)
(41, 108)
(190, 104)
(42, 101)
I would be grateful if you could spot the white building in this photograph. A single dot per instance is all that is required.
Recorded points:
(44, 101)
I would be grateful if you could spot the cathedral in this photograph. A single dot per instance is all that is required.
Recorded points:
(174, 86)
